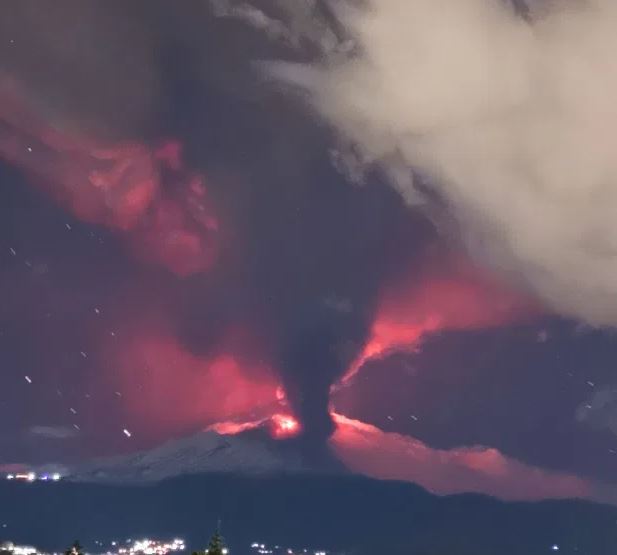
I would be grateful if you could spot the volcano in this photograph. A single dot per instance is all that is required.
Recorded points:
(255, 450)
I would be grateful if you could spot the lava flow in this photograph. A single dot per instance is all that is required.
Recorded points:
(279, 425)
(284, 426)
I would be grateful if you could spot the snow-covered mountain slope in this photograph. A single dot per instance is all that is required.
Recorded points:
(204, 452)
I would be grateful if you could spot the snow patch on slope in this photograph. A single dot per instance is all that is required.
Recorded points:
(205, 452)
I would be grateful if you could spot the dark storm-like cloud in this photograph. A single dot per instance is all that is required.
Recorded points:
(293, 236)
(89, 65)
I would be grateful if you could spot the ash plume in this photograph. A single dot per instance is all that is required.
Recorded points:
(509, 110)
(300, 255)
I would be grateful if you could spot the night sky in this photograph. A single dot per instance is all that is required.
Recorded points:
(178, 249)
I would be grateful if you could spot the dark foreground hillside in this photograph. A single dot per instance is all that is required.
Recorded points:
(350, 513)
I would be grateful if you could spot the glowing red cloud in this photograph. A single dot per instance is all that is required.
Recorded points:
(166, 389)
(170, 237)
(147, 194)
(466, 299)
(367, 450)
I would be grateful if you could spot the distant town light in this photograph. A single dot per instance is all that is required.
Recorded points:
(33, 476)
(24, 550)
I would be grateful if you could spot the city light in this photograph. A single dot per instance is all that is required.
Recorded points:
(263, 549)
(18, 549)
(141, 547)
(24, 550)
(152, 547)
(34, 477)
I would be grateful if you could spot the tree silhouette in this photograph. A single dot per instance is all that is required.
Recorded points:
(215, 547)
(75, 549)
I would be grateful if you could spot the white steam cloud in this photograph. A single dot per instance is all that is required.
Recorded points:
(513, 121)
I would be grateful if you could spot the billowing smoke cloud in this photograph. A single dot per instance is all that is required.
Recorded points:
(321, 266)
(510, 119)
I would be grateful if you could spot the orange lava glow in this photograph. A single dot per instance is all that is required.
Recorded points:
(284, 426)
(469, 300)
(367, 450)
(280, 426)
(231, 428)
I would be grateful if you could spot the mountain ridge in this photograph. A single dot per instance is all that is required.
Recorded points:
(350, 513)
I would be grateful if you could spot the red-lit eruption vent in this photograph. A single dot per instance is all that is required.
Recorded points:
(284, 426)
